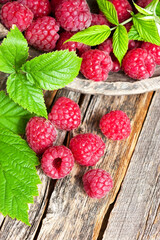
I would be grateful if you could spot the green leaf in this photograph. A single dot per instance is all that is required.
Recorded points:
(53, 70)
(158, 9)
(147, 29)
(120, 42)
(142, 10)
(134, 35)
(152, 6)
(92, 36)
(13, 51)
(18, 176)
(26, 94)
(12, 116)
(109, 11)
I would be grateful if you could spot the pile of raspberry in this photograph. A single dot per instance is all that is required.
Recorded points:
(48, 33)
(86, 149)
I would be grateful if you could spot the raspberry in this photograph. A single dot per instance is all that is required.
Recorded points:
(122, 7)
(54, 4)
(115, 125)
(97, 183)
(138, 64)
(57, 162)
(65, 114)
(40, 134)
(80, 48)
(99, 19)
(39, 8)
(4, 1)
(152, 49)
(116, 65)
(42, 33)
(16, 13)
(87, 148)
(73, 15)
(96, 65)
(143, 3)
(106, 46)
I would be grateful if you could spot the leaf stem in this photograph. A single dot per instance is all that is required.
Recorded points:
(123, 23)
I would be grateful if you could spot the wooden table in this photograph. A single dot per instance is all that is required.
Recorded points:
(131, 210)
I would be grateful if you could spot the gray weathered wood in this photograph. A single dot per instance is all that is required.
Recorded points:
(135, 215)
(71, 214)
(3, 31)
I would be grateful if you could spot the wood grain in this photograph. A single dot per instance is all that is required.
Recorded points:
(15, 230)
(136, 214)
(71, 214)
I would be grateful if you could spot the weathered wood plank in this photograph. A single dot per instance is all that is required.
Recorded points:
(1, 219)
(136, 214)
(15, 230)
(71, 214)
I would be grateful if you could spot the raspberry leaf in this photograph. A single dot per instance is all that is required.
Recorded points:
(26, 94)
(158, 9)
(142, 10)
(92, 36)
(53, 70)
(12, 116)
(134, 35)
(109, 11)
(18, 176)
(152, 6)
(147, 28)
(120, 42)
(13, 51)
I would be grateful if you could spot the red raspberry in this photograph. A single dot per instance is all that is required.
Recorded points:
(143, 3)
(122, 7)
(96, 65)
(99, 19)
(106, 46)
(5, 1)
(39, 8)
(73, 15)
(115, 125)
(65, 114)
(87, 148)
(42, 33)
(138, 64)
(97, 183)
(152, 49)
(16, 13)
(80, 48)
(57, 162)
(116, 65)
(40, 134)
(54, 4)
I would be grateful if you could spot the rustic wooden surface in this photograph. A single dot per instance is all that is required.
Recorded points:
(63, 211)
